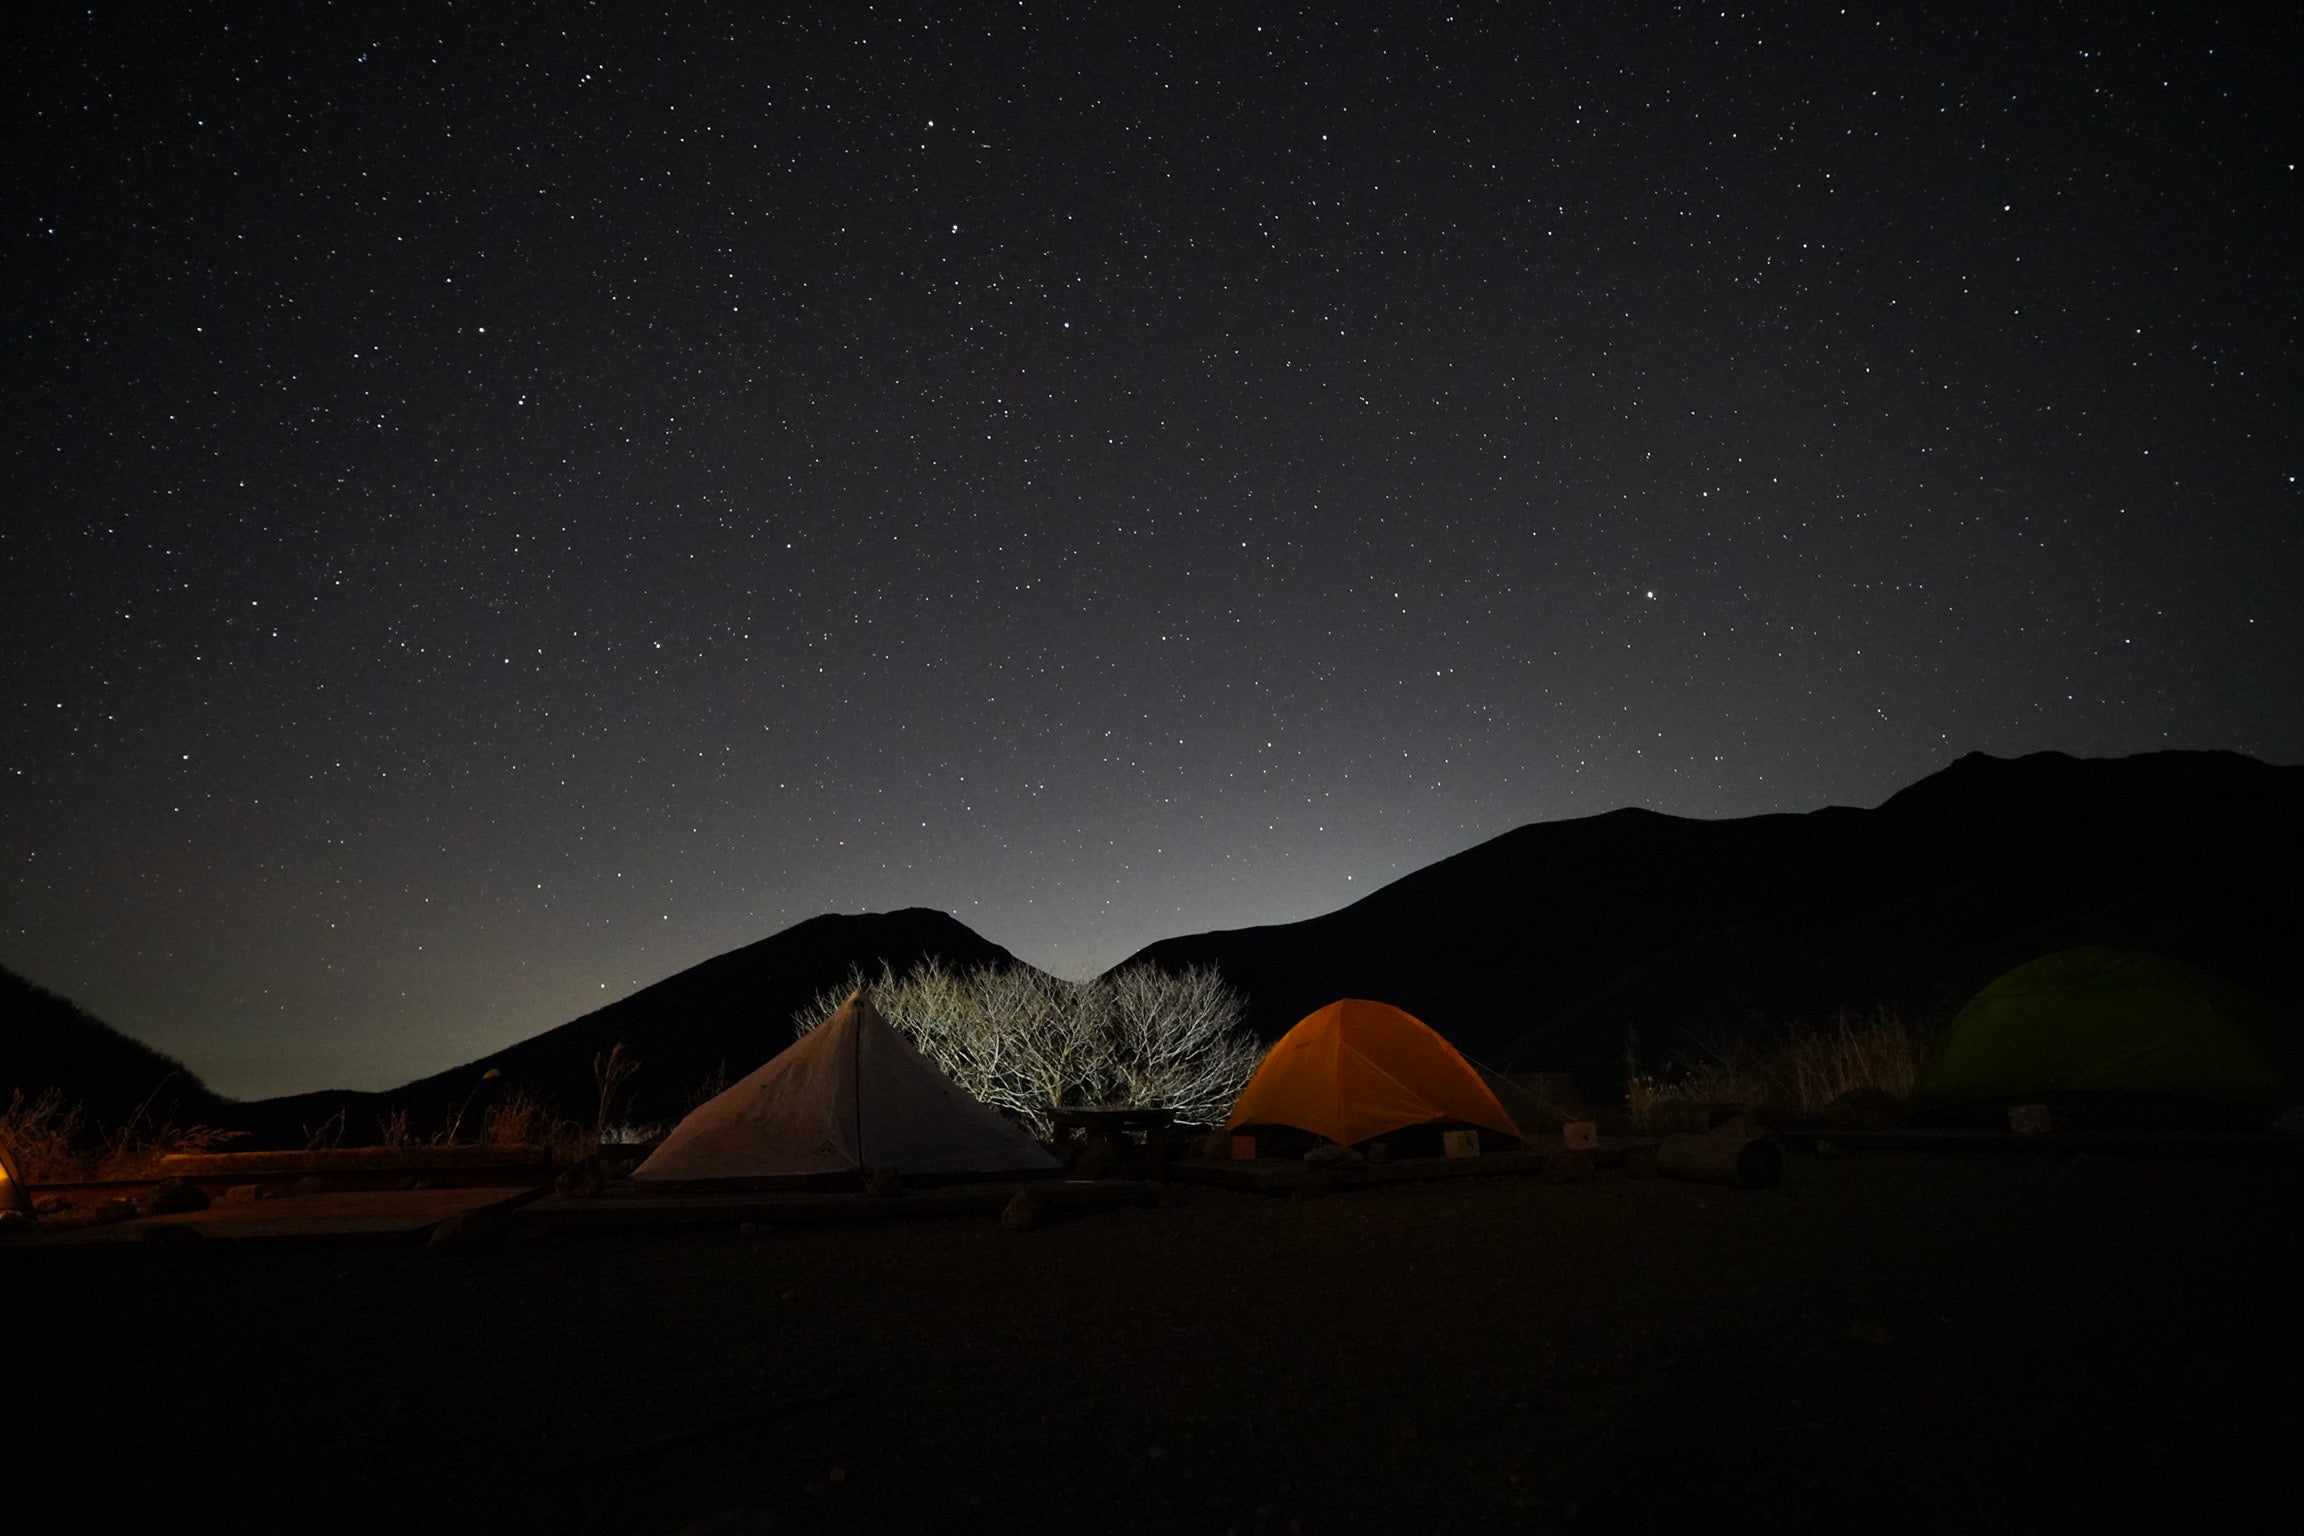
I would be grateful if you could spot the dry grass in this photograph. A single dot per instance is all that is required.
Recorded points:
(521, 1120)
(711, 1088)
(45, 1135)
(1801, 1070)
(612, 1073)
(55, 1143)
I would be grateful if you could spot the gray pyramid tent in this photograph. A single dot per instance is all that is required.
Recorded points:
(850, 1095)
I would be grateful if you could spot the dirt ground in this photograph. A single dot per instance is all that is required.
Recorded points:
(1889, 1342)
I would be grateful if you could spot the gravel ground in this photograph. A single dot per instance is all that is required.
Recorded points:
(1889, 1342)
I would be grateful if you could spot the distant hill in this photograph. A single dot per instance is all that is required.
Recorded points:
(47, 1042)
(1546, 947)
(721, 1018)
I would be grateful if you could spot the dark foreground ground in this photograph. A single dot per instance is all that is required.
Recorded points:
(1893, 1342)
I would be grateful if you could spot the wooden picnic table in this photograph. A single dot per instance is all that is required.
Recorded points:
(1090, 1126)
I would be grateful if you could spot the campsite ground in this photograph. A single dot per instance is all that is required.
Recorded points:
(1889, 1342)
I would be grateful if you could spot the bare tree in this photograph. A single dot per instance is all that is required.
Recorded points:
(1028, 1042)
(1182, 1040)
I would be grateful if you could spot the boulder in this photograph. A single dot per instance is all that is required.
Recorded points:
(1865, 1109)
(1750, 1163)
(1027, 1209)
(582, 1180)
(1569, 1168)
(480, 1231)
(175, 1197)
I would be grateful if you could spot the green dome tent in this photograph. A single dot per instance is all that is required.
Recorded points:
(2118, 1035)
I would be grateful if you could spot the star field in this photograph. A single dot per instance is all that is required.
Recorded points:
(505, 502)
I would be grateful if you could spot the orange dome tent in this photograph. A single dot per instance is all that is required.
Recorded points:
(1357, 1069)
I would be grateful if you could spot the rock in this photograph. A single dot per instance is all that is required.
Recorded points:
(175, 1197)
(115, 1210)
(243, 1194)
(173, 1234)
(1754, 1163)
(2031, 1119)
(1334, 1155)
(1026, 1209)
(1865, 1109)
(581, 1180)
(1569, 1168)
(310, 1184)
(480, 1231)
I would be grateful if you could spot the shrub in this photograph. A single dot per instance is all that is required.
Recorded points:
(1028, 1042)
(1803, 1069)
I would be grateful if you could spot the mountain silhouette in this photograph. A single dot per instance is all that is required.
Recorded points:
(1554, 946)
(715, 1021)
(1548, 948)
(49, 1043)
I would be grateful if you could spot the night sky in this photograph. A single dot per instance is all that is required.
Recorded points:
(506, 501)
